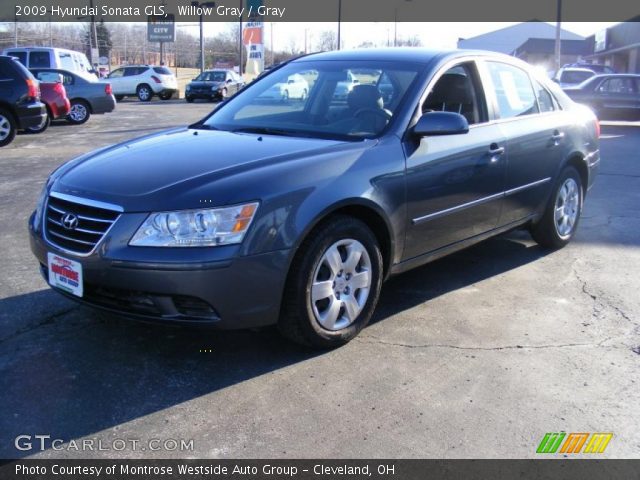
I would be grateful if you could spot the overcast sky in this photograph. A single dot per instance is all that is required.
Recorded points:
(435, 35)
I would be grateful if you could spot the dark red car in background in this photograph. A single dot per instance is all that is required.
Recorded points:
(54, 96)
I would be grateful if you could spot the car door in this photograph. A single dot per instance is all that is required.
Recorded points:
(617, 94)
(454, 182)
(117, 81)
(535, 139)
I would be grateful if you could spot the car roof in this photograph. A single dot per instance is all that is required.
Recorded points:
(403, 54)
(616, 75)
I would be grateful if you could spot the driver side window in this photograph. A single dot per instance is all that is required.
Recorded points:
(458, 90)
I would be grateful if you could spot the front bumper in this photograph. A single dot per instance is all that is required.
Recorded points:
(228, 293)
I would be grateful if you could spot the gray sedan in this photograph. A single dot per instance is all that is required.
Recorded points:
(86, 97)
(294, 214)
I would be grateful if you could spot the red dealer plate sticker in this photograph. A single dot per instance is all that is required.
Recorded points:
(65, 274)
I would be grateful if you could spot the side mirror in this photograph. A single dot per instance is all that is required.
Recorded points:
(229, 80)
(440, 123)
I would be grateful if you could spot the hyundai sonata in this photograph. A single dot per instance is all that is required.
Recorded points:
(293, 213)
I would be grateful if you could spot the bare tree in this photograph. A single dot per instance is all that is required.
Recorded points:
(327, 41)
(413, 41)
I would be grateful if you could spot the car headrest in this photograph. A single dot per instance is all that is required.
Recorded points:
(452, 88)
(365, 96)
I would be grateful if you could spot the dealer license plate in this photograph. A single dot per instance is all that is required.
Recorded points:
(65, 274)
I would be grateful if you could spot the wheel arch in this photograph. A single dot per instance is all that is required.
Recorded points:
(364, 210)
(83, 100)
(577, 160)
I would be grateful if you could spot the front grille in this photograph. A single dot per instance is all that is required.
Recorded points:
(80, 236)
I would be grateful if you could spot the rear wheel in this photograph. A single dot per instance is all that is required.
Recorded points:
(144, 93)
(560, 220)
(79, 112)
(7, 127)
(334, 284)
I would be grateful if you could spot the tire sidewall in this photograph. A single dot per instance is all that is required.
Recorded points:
(353, 229)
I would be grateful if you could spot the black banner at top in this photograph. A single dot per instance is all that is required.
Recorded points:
(320, 10)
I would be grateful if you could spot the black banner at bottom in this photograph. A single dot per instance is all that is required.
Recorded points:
(565, 469)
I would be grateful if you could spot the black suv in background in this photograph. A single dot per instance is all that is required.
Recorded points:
(20, 105)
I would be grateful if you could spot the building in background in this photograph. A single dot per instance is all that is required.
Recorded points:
(617, 46)
(534, 42)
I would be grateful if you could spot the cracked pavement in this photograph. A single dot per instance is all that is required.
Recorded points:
(477, 355)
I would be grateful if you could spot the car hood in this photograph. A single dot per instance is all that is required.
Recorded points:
(205, 84)
(162, 166)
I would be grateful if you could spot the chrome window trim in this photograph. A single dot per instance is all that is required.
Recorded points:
(479, 201)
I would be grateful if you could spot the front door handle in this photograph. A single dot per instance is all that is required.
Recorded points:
(557, 136)
(495, 150)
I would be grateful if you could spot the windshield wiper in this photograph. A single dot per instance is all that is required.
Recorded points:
(266, 131)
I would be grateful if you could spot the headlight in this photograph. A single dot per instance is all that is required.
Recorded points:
(195, 228)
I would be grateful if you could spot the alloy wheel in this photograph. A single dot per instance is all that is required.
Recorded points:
(341, 284)
(78, 112)
(567, 208)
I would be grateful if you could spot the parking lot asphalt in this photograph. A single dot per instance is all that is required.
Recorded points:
(476, 355)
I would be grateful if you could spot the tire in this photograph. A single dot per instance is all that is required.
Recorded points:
(189, 99)
(7, 127)
(119, 98)
(285, 96)
(560, 219)
(144, 93)
(79, 112)
(166, 96)
(223, 94)
(43, 126)
(326, 321)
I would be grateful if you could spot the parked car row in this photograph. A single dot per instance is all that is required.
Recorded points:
(31, 99)
(214, 85)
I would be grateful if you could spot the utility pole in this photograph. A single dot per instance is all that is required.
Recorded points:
(558, 31)
(339, 20)
(240, 46)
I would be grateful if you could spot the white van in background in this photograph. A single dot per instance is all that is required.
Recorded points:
(48, 57)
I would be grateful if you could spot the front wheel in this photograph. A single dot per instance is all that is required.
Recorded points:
(560, 219)
(334, 284)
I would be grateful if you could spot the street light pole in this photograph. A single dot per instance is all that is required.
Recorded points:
(240, 46)
(197, 4)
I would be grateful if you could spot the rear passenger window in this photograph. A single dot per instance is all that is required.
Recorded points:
(162, 70)
(513, 90)
(39, 60)
(545, 100)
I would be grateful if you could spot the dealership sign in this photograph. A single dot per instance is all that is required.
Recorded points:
(161, 28)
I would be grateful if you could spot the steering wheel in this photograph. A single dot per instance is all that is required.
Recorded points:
(376, 111)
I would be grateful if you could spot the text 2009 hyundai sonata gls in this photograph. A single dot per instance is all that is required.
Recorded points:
(294, 212)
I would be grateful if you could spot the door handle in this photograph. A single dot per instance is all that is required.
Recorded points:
(557, 136)
(495, 150)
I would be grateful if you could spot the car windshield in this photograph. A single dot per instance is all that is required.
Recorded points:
(319, 99)
(211, 77)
